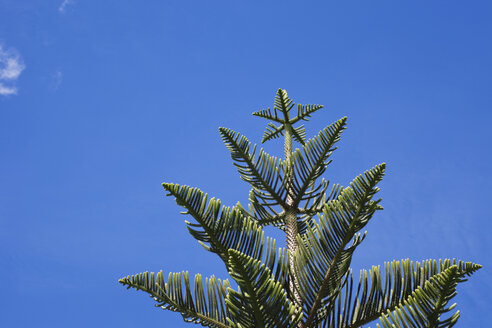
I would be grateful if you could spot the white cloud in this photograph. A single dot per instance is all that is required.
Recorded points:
(11, 67)
(5, 91)
(64, 5)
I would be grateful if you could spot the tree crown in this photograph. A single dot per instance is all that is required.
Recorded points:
(308, 283)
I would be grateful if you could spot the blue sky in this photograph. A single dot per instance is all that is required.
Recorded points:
(101, 101)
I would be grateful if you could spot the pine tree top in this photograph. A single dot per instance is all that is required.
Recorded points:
(308, 283)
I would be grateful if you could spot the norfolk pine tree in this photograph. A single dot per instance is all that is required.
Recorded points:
(309, 283)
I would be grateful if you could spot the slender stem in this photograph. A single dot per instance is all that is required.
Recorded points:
(291, 220)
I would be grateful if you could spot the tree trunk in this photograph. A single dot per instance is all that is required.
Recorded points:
(291, 221)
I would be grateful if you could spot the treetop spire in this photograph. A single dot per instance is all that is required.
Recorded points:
(281, 114)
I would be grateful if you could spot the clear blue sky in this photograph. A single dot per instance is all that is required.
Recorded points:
(101, 101)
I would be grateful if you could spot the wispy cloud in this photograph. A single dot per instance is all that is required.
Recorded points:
(56, 79)
(11, 67)
(64, 5)
(5, 91)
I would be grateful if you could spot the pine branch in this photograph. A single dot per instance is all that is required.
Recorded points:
(262, 301)
(262, 174)
(283, 103)
(312, 163)
(299, 134)
(319, 201)
(323, 258)
(428, 303)
(267, 113)
(260, 209)
(304, 112)
(194, 307)
(205, 212)
(273, 132)
(277, 220)
(379, 292)
(219, 229)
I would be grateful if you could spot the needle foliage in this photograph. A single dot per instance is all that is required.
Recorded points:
(309, 283)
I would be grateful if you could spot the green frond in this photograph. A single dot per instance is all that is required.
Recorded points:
(381, 291)
(323, 256)
(263, 212)
(283, 103)
(267, 113)
(299, 134)
(319, 200)
(304, 112)
(262, 173)
(205, 306)
(261, 301)
(272, 132)
(311, 163)
(427, 306)
(263, 215)
(221, 228)
(321, 277)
